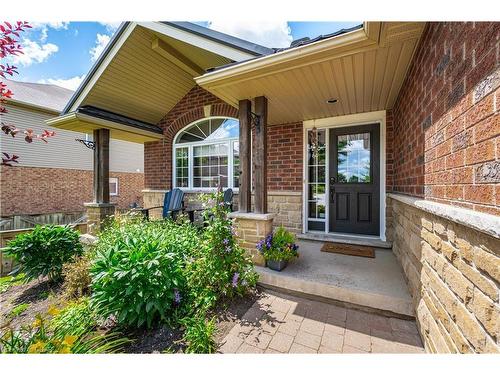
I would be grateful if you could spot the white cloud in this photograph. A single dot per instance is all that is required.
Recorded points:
(70, 83)
(34, 52)
(44, 27)
(266, 33)
(101, 41)
(111, 26)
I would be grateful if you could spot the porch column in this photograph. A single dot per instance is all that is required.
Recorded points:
(245, 118)
(101, 166)
(100, 208)
(253, 226)
(260, 156)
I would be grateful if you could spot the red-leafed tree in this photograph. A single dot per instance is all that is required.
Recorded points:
(10, 46)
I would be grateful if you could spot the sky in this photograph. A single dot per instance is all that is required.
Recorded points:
(61, 53)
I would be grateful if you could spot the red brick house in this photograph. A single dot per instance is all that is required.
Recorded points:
(53, 180)
(387, 134)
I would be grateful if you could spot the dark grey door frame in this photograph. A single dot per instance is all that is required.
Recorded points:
(361, 201)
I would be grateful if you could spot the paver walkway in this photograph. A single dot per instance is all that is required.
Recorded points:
(279, 323)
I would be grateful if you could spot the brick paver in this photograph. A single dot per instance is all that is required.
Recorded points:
(279, 323)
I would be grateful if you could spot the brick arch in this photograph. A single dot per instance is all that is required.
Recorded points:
(158, 155)
(195, 114)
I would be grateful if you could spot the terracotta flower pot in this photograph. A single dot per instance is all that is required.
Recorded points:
(276, 265)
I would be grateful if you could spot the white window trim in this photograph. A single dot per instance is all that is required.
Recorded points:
(117, 186)
(191, 145)
(338, 122)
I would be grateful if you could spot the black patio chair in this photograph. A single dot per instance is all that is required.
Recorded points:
(173, 203)
(228, 199)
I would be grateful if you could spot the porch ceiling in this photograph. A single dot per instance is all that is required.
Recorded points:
(363, 69)
(147, 72)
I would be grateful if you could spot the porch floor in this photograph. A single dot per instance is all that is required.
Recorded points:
(376, 283)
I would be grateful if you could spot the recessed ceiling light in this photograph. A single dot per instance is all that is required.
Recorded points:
(331, 101)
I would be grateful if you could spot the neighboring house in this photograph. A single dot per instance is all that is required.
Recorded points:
(387, 133)
(57, 177)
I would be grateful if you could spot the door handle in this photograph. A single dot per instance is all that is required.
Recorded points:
(332, 194)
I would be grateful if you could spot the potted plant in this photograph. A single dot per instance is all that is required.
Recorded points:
(278, 249)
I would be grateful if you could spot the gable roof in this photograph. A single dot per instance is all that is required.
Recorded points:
(246, 49)
(295, 44)
(244, 45)
(41, 95)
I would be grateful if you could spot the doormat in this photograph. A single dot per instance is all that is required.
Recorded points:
(346, 249)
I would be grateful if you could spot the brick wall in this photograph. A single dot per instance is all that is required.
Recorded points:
(446, 144)
(284, 144)
(158, 155)
(284, 156)
(27, 190)
(453, 273)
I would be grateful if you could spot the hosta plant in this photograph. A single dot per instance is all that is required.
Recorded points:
(44, 250)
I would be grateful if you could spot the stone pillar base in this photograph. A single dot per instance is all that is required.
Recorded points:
(251, 228)
(96, 214)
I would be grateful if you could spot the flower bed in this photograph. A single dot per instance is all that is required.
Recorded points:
(144, 275)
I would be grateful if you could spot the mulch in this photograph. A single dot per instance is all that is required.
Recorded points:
(40, 294)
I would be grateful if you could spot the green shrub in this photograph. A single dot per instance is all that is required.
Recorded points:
(220, 267)
(44, 250)
(138, 270)
(279, 245)
(77, 278)
(199, 334)
(144, 272)
(72, 330)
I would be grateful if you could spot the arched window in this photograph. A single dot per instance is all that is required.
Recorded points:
(206, 154)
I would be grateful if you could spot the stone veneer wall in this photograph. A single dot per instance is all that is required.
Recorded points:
(285, 205)
(453, 272)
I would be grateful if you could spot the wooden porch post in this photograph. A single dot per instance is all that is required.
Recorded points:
(100, 208)
(260, 156)
(245, 155)
(101, 166)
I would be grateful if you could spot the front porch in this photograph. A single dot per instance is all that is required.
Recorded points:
(376, 283)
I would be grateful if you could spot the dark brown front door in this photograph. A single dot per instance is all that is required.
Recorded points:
(354, 179)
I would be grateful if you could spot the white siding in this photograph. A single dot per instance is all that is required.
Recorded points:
(62, 151)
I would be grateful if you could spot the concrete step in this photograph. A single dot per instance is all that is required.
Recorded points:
(384, 304)
(376, 283)
(347, 239)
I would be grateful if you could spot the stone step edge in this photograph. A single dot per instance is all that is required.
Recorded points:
(363, 301)
(345, 240)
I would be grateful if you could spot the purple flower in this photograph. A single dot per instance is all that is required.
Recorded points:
(236, 276)
(259, 246)
(233, 231)
(225, 241)
(177, 296)
(221, 204)
(228, 249)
